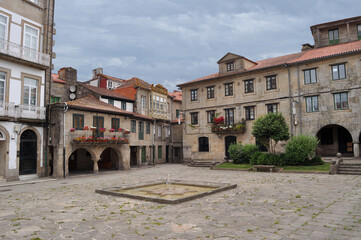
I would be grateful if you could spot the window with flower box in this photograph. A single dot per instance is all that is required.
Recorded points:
(115, 124)
(98, 123)
(229, 116)
(78, 121)
(210, 116)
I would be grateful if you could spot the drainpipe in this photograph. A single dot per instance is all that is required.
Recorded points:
(65, 110)
(171, 130)
(290, 99)
(299, 99)
(153, 143)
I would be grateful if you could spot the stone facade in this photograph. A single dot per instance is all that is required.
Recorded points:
(316, 90)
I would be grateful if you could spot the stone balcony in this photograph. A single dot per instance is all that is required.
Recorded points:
(15, 50)
(10, 110)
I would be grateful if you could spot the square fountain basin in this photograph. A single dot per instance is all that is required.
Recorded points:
(176, 192)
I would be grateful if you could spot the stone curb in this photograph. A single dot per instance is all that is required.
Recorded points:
(247, 170)
(17, 183)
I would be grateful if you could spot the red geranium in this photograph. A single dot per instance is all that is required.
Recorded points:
(219, 120)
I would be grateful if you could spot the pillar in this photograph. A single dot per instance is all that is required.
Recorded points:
(125, 156)
(96, 168)
(356, 149)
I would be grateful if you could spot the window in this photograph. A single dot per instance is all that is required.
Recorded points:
(2, 85)
(111, 102)
(228, 89)
(338, 71)
(133, 126)
(157, 102)
(177, 112)
(194, 95)
(78, 121)
(3, 27)
(31, 41)
(147, 131)
(142, 99)
(229, 116)
(30, 91)
(210, 92)
(161, 104)
(326, 136)
(98, 122)
(55, 99)
(115, 124)
(249, 113)
(310, 76)
(194, 118)
(271, 82)
(359, 31)
(341, 101)
(271, 108)
(312, 104)
(203, 144)
(211, 115)
(141, 131)
(124, 105)
(248, 86)
(159, 131)
(160, 153)
(230, 66)
(333, 36)
(110, 84)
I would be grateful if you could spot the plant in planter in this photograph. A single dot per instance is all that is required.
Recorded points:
(126, 131)
(102, 129)
(112, 130)
(93, 128)
(72, 129)
(120, 129)
(86, 128)
(79, 139)
(90, 139)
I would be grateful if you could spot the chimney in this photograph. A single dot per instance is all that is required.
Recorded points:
(96, 72)
(306, 47)
(68, 74)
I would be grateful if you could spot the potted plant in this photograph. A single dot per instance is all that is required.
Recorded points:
(86, 128)
(72, 129)
(102, 129)
(112, 130)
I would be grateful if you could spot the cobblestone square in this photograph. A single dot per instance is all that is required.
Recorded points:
(263, 206)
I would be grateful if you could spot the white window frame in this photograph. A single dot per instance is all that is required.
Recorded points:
(37, 37)
(6, 27)
(31, 87)
(3, 80)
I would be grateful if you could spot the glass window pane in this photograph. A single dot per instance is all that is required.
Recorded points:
(335, 72)
(31, 82)
(342, 71)
(313, 76)
(3, 19)
(2, 75)
(307, 77)
(315, 104)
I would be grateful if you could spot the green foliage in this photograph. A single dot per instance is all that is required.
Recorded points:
(234, 151)
(268, 159)
(300, 149)
(242, 154)
(314, 162)
(272, 126)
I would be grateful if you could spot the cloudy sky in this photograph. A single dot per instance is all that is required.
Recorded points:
(175, 41)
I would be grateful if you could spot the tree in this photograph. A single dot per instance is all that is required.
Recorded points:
(272, 126)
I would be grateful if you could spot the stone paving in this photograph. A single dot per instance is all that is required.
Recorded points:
(263, 206)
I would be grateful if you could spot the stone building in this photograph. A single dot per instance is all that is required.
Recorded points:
(26, 42)
(317, 90)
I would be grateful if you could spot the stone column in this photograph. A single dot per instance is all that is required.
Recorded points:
(125, 156)
(356, 149)
(96, 168)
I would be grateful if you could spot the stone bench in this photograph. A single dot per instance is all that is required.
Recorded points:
(269, 168)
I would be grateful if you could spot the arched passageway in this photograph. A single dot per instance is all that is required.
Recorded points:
(334, 139)
(80, 161)
(28, 153)
(109, 160)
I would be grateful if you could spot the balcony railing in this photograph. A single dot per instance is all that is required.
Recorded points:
(89, 137)
(24, 53)
(22, 111)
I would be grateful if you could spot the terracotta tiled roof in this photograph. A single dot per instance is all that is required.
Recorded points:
(112, 78)
(55, 78)
(177, 95)
(135, 82)
(106, 92)
(90, 103)
(309, 55)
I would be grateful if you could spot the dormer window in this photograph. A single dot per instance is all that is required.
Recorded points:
(110, 84)
(230, 66)
(359, 31)
(333, 36)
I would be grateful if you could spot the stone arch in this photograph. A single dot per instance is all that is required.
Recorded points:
(80, 159)
(4, 151)
(39, 141)
(110, 159)
(334, 138)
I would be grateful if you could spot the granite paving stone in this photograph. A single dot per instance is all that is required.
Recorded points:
(263, 206)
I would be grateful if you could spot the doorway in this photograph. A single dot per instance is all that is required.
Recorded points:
(133, 156)
(228, 141)
(28, 153)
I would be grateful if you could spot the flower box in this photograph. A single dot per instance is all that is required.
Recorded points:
(102, 129)
(86, 128)
(235, 128)
(72, 129)
(126, 131)
(111, 130)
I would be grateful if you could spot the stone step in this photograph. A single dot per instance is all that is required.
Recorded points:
(349, 172)
(201, 164)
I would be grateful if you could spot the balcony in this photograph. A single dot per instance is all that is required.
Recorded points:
(89, 137)
(11, 110)
(26, 54)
